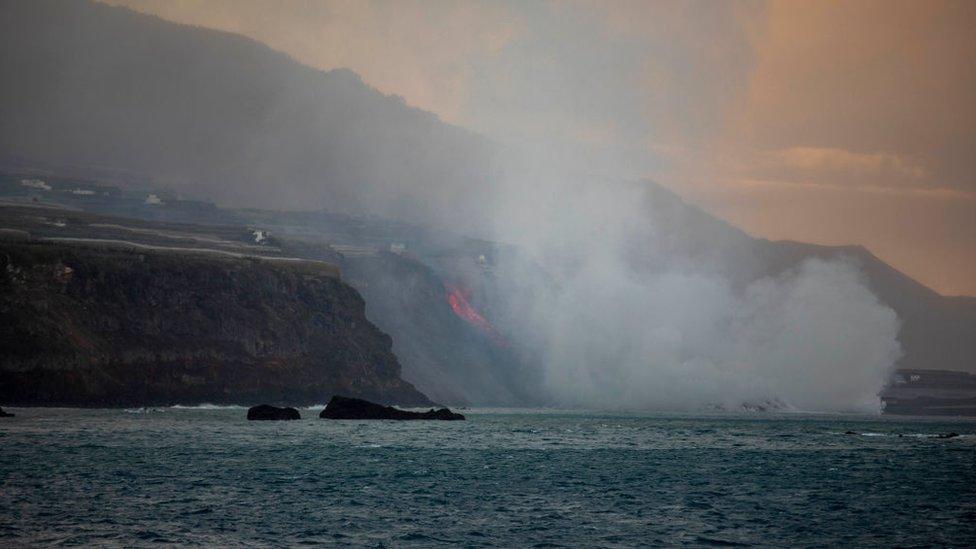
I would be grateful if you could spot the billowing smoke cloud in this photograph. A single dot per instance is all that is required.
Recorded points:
(611, 301)
(813, 340)
(624, 319)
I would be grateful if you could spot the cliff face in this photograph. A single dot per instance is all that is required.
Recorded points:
(454, 362)
(98, 326)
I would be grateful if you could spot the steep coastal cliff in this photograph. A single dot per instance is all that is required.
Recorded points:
(99, 325)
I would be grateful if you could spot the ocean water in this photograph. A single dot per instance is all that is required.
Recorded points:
(512, 478)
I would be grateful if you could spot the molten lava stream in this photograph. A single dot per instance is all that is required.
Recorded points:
(458, 300)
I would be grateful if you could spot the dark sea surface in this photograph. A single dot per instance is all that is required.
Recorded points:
(503, 478)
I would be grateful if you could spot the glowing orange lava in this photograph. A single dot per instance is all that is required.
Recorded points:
(458, 300)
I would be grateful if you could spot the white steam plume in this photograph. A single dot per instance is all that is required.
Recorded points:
(623, 321)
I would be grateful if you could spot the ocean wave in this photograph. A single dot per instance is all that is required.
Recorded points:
(208, 407)
(947, 435)
(142, 410)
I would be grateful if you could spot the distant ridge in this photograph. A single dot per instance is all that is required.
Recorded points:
(221, 116)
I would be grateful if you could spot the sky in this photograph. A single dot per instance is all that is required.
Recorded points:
(825, 122)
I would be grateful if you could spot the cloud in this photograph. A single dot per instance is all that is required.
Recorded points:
(839, 160)
(861, 113)
(937, 193)
(660, 330)
(888, 78)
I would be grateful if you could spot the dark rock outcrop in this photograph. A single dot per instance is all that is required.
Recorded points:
(354, 408)
(948, 435)
(6, 414)
(95, 325)
(452, 360)
(268, 412)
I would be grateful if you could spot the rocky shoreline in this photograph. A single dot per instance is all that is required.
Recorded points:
(90, 326)
(340, 407)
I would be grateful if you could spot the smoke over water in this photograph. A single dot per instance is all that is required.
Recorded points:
(621, 317)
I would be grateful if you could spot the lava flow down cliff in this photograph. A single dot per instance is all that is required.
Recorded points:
(458, 299)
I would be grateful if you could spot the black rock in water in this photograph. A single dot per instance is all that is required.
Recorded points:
(6, 414)
(353, 408)
(268, 412)
(948, 435)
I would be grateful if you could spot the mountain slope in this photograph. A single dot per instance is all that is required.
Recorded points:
(220, 116)
(216, 115)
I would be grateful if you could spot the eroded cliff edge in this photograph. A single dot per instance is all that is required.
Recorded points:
(98, 325)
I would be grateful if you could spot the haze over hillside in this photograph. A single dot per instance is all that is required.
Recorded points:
(629, 295)
(220, 116)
